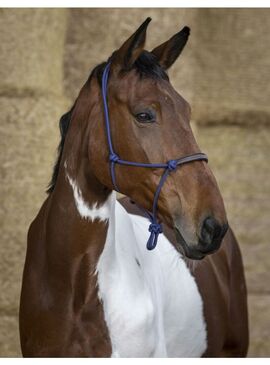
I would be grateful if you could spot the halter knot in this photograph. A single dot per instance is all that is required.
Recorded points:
(155, 228)
(113, 157)
(172, 164)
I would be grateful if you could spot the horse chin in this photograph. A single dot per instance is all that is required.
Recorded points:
(185, 249)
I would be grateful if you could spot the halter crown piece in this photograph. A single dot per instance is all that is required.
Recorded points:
(155, 228)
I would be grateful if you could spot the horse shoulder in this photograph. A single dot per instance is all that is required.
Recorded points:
(32, 292)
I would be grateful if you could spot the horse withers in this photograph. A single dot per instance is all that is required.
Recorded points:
(90, 286)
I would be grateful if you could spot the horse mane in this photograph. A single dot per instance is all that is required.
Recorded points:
(63, 126)
(146, 66)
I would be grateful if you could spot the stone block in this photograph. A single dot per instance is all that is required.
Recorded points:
(9, 336)
(231, 68)
(31, 51)
(238, 158)
(259, 314)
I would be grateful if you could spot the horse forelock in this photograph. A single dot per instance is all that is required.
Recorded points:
(147, 66)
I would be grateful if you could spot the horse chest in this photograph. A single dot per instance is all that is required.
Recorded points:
(152, 306)
(128, 308)
(131, 321)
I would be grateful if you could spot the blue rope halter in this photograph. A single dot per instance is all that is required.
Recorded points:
(155, 227)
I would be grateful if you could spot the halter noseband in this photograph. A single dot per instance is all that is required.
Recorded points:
(155, 227)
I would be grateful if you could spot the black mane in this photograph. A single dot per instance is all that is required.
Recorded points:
(146, 65)
(63, 126)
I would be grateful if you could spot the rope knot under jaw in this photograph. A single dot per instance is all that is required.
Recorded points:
(113, 157)
(155, 229)
(172, 164)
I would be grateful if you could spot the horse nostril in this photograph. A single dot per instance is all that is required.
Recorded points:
(211, 231)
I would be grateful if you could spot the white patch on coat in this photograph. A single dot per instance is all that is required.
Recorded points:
(101, 212)
(153, 309)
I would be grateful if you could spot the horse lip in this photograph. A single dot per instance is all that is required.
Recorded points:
(184, 249)
(215, 247)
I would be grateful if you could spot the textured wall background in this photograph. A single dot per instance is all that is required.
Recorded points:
(31, 101)
(46, 56)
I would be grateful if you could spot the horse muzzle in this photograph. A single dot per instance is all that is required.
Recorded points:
(209, 241)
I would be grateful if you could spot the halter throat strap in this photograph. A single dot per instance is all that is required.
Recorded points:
(155, 227)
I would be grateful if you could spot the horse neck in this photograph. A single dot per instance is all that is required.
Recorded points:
(79, 202)
(77, 228)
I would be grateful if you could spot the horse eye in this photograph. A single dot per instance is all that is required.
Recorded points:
(145, 117)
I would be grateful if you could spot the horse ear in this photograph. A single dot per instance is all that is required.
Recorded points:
(127, 54)
(169, 51)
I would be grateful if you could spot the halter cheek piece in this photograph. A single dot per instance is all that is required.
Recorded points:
(155, 227)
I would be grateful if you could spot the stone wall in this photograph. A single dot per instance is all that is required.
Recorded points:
(31, 102)
(46, 56)
(231, 106)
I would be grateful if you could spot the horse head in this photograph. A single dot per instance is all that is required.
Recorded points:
(150, 123)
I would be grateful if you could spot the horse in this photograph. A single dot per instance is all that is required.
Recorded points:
(94, 283)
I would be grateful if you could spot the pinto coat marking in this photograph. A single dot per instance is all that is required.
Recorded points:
(148, 307)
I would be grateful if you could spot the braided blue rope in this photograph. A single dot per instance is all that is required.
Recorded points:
(155, 228)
